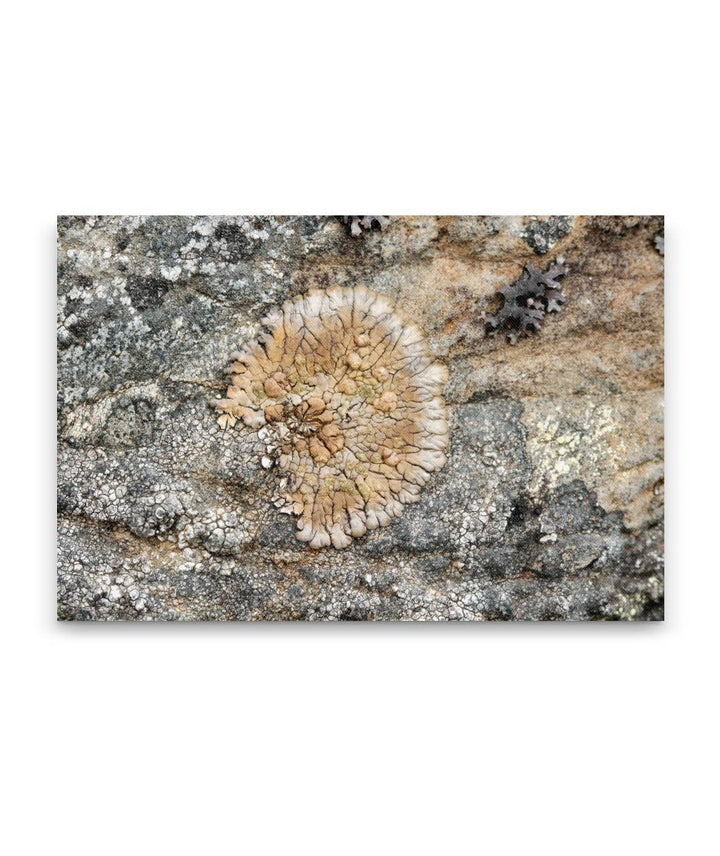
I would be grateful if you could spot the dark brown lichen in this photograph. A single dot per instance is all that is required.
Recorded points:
(527, 301)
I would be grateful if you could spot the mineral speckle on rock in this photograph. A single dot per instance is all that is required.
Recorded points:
(548, 507)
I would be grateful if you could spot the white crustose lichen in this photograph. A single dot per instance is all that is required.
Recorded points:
(347, 399)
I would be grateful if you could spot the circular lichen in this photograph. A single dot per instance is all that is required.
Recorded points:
(347, 399)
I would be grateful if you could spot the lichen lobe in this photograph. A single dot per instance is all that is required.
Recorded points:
(528, 301)
(347, 399)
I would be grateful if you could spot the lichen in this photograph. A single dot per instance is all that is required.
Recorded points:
(359, 223)
(347, 400)
(527, 301)
(542, 233)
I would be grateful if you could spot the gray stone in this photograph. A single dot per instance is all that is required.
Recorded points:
(549, 507)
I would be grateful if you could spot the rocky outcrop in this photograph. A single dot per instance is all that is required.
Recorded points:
(548, 507)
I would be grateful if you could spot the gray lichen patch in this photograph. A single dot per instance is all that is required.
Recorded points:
(359, 223)
(348, 400)
(543, 233)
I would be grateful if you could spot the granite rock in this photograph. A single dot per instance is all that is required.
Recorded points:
(549, 507)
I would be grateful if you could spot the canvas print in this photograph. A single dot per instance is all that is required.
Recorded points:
(366, 418)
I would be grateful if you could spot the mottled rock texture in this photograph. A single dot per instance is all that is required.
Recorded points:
(550, 503)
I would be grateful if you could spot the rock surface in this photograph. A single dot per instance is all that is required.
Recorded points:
(550, 506)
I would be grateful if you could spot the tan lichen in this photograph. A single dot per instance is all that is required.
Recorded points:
(348, 401)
